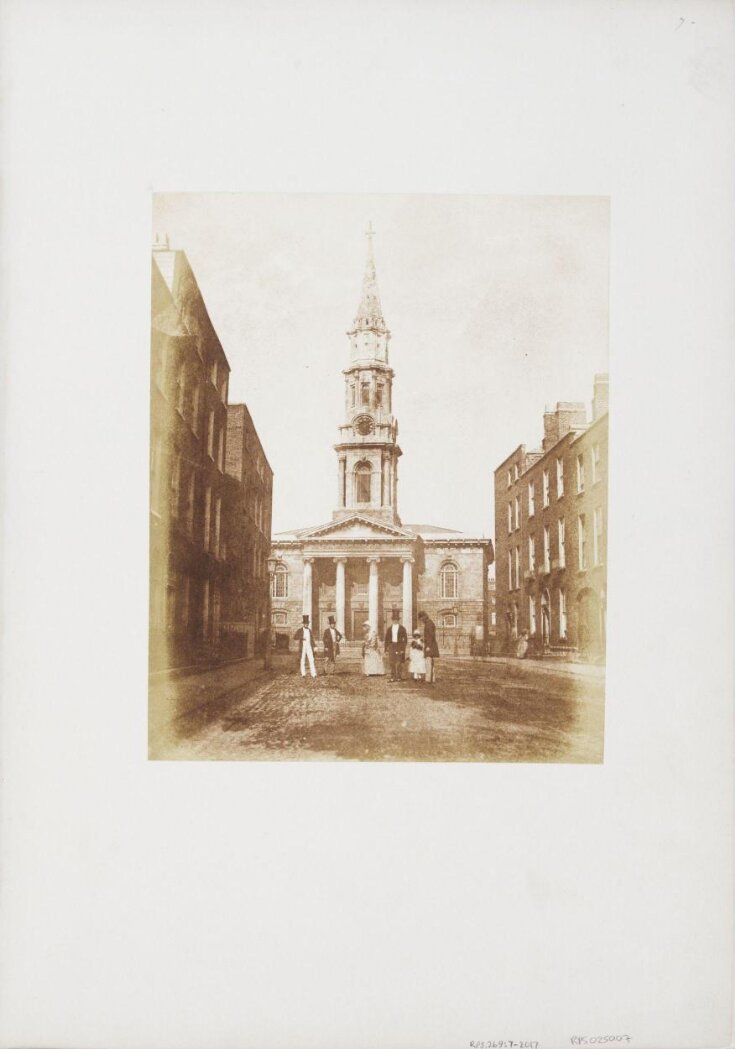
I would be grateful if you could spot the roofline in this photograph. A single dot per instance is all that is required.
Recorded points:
(520, 448)
(241, 404)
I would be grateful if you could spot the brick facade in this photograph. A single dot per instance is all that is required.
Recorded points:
(190, 494)
(551, 533)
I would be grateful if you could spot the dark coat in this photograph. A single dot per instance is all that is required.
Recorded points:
(430, 646)
(402, 639)
(299, 636)
(330, 650)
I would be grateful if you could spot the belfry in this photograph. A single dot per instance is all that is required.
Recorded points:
(367, 448)
(365, 563)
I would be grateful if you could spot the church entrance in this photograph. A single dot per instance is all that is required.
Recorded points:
(359, 617)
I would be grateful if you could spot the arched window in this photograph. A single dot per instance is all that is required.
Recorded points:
(363, 477)
(279, 618)
(449, 620)
(449, 578)
(280, 581)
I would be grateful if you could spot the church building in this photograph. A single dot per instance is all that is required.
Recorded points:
(366, 562)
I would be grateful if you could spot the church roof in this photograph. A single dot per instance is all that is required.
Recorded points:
(370, 312)
(426, 532)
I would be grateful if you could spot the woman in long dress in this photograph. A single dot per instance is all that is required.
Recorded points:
(416, 658)
(372, 660)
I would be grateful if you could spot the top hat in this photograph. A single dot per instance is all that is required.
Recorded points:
(331, 619)
(395, 615)
(305, 619)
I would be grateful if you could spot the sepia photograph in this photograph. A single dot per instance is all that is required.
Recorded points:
(378, 508)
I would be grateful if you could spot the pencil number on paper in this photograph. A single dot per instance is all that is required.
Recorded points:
(599, 1039)
(505, 1043)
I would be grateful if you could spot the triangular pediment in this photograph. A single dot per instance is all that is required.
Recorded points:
(356, 527)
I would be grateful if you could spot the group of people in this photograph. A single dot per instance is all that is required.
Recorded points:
(422, 649)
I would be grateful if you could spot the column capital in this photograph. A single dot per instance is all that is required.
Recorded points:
(373, 559)
(406, 559)
(339, 560)
(309, 560)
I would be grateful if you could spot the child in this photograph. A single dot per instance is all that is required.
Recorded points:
(416, 660)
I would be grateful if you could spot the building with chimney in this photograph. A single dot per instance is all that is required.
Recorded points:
(551, 534)
(247, 533)
(365, 562)
(192, 498)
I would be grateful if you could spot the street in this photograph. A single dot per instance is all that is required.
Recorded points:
(489, 710)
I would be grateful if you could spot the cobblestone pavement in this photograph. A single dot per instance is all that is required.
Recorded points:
(476, 711)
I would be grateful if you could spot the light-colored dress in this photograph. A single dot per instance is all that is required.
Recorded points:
(416, 658)
(372, 660)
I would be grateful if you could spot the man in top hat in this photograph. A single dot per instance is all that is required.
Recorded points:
(396, 640)
(305, 636)
(332, 638)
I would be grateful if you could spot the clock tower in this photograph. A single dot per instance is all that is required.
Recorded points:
(367, 449)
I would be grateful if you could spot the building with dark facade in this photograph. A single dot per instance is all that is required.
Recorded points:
(551, 533)
(247, 533)
(190, 491)
(365, 562)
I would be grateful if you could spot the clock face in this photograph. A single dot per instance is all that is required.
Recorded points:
(364, 425)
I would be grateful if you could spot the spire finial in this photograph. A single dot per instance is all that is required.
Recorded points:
(369, 313)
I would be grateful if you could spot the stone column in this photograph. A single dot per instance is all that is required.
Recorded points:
(408, 593)
(373, 563)
(394, 493)
(340, 593)
(308, 575)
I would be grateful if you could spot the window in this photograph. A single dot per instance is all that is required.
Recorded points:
(532, 615)
(221, 449)
(510, 517)
(213, 373)
(279, 618)
(559, 478)
(365, 393)
(223, 390)
(195, 411)
(582, 540)
(510, 478)
(517, 562)
(353, 395)
(510, 570)
(595, 463)
(561, 527)
(180, 392)
(531, 554)
(190, 503)
(210, 435)
(176, 486)
(207, 516)
(546, 487)
(515, 471)
(449, 620)
(449, 576)
(580, 473)
(531, 498)
(562, 614)
(379, 393)
(185, 601)
(518, 511)
(280, 582)
(363, 477)
(217, 524)
(597, 536)
(547, 548)
(205, 611)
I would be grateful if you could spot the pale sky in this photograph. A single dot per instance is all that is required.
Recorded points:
(498, 306)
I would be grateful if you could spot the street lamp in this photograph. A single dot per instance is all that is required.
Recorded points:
(267, 646)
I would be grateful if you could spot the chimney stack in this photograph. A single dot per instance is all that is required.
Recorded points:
(568, 415)
(600, 399)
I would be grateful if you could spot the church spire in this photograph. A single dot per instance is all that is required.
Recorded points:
(369, 312)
